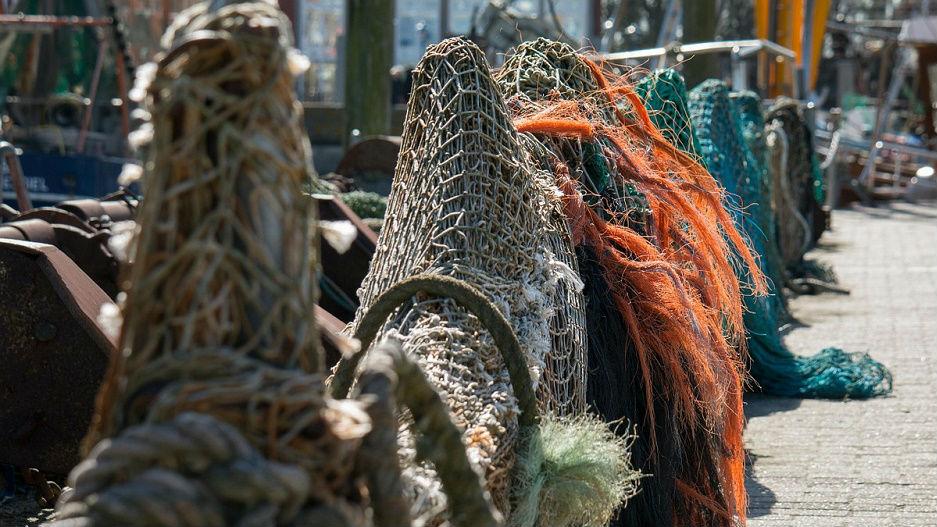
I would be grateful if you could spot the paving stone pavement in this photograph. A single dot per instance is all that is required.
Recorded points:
(859, 463)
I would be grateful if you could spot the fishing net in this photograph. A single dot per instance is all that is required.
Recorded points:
(797, 183)
(665, 96)
(466, 204)
(757, 196)
(731, 135)
(656, 250)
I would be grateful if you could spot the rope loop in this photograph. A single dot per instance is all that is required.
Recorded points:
(468, 297)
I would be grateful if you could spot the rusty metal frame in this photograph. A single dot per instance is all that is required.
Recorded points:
(78, 292)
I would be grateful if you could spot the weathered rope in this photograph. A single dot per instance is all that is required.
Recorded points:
(191, 470)
(778, 139)
(389, 375)
(214, 411)
(805, 192)
(218, 317)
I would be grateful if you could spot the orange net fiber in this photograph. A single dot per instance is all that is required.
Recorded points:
(670, 266)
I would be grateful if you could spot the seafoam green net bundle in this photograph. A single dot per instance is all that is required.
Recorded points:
(721, 123)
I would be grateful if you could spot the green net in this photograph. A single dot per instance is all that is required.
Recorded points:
(731, 137)
(756, 192)
(665, 95)
(365, 204)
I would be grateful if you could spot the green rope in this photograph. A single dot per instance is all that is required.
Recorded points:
(730, 134)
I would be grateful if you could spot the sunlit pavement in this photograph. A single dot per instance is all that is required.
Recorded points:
(859, 463)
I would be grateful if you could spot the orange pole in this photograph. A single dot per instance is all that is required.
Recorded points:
(763, 19)
(821, 11)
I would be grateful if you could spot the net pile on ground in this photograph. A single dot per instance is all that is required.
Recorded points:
(651, 233)
(798, 185)
(730, 132)
(466, 210)
(214, 412)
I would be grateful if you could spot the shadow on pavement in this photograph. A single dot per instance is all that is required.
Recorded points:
(760, 498)
(758, 405)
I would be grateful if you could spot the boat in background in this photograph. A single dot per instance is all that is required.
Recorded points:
(67, 113)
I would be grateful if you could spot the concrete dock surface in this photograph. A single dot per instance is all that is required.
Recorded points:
(866, 463)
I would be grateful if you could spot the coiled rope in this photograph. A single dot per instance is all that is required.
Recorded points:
(466, 296)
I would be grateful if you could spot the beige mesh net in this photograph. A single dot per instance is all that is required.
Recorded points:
(466, 204)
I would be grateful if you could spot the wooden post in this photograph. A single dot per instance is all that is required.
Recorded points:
(699, 25)
(9, 155)
(369, 55)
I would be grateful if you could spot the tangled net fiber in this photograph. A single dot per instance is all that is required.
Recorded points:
(656, 249)
(214, 411)
(731, 135)
(665, 96)
(467, 208)
(573, 474)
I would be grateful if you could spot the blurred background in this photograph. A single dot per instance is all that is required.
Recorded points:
(863, 66)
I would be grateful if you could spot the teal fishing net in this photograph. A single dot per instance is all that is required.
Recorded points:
(730, 132)
(665, 96)
(755, 193)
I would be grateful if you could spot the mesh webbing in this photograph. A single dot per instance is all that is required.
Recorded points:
(731, 132)
(465, 203)
(653, 219)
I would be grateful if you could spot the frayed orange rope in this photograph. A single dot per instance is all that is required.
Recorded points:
(557, 127)
(705, 501)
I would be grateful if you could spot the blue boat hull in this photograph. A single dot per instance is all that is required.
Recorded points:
(51, 178)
